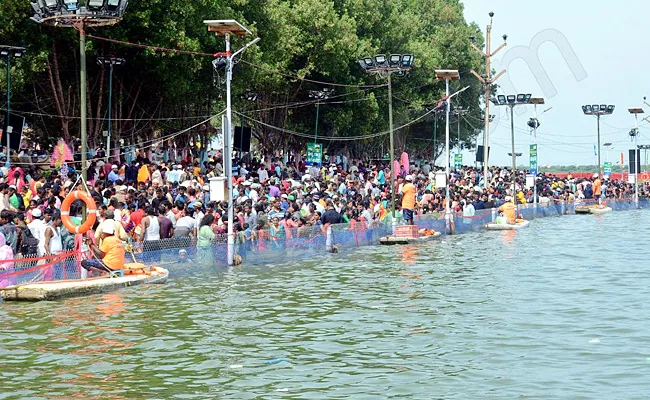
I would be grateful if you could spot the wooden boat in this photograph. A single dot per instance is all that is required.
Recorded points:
(595, 209)
(392, 240)
(81, 287)
(507, 227)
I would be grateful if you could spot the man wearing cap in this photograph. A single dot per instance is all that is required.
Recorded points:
(408, 199)
(110, 253)
(37, 225)
(113, 175)
(508, 210)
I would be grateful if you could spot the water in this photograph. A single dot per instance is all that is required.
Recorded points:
(555, 311)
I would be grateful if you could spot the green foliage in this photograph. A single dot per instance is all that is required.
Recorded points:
(317, 40)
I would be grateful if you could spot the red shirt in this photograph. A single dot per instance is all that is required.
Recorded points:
(136, 216)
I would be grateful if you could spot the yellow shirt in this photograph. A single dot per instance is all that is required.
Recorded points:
(113, 250)
(508, 210)
(408, 201)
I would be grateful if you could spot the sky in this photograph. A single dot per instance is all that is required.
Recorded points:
(610, 66)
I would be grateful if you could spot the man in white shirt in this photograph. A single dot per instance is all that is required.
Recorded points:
(37, 226)
(262, 174)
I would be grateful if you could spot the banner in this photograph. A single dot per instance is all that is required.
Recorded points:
(533, 159)
(314, 153)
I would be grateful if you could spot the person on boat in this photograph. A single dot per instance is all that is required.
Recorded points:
(408, 199)
(597, 187)
(109, 255)
(509, 210)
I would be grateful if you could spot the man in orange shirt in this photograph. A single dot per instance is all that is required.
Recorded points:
(110, 254)
(509, 210)
(597, 187)
(408, 200)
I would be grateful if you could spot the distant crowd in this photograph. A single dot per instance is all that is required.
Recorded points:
(146, 201)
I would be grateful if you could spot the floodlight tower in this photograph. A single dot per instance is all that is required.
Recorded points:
(80, 14)
(112, 62)
(385, 66)
(597, 111)
(511, 101)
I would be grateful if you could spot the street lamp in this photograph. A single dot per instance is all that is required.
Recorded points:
(516, 154)
(384, 66)
(608, 145)
(511, 101)
(227, 28)
(111, 62)
(80, 14)
(598, 110)
(447, 75)
(534, 123)
(319, 95)
(645, 148)
(634, 133)
(7, 53)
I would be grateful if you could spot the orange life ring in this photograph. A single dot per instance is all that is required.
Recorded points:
(91, 212)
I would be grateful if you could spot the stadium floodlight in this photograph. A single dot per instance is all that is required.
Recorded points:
(395, 60)
(610, 109)
(407, 60)
(380, 60)
(597, 110)
(511, 98)
(502, 99)
(95, 4)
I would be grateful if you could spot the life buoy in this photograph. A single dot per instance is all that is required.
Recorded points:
(91, 212)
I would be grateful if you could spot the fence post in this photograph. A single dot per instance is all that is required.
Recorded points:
(494, 214)
(328, 239)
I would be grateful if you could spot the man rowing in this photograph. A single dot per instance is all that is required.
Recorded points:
(109, 255)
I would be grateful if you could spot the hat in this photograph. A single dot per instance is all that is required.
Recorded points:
(198, 204)
(178, 166)
(409, 178)
(284, 196)
(122, 188)
(12, 187)
(108, 229)
(67, 184)
(36, 213)
(247, 183)
(291, 197)
(507, 199)
(113, 166)
(316, 197)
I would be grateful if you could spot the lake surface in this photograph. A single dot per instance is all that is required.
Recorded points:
(556, 311)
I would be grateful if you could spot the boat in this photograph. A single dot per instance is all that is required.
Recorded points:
(392, 240)
(55, 290)
(507, 227)
(593, 210)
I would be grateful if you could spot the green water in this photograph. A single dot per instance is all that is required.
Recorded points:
(555, 311)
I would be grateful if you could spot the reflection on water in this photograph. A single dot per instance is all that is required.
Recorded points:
(490, 315)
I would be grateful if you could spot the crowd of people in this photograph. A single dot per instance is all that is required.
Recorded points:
(147, 202)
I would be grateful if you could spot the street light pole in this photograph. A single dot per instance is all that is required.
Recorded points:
(511, 101)
(9, 52)
(319, 95)
(385, 67)
(448, 75)
(111, 62)
(488, 81)
(636, 111)
(227, 28)
(598, 110)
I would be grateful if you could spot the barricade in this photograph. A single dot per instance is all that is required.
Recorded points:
(264, 248)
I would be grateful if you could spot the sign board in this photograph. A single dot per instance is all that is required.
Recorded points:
(441, 179)
(530, 180)
(314, 153)
(458, 161)
(533, 159)
(607, 170)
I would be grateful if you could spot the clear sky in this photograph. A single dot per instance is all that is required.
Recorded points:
(612, 66)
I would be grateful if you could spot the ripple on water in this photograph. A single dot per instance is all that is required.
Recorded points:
(481, 315)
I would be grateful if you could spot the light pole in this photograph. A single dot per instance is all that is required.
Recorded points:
(384, 66)
(111, 62)
(488, 81)
(634, 133)
(608, 145)
(227, 28)
(80, 14)
(7, 53)
(447, 75)
(319, 95)
(511, 101)
(534, 160)
(598, 110)
(645, 148)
